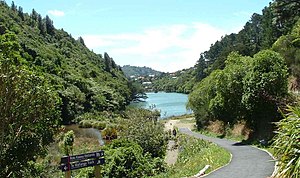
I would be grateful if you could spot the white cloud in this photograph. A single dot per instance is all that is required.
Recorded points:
(165, 48)
(56, 13)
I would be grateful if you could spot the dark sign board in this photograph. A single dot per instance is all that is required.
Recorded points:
(68, 159)
(81, 164)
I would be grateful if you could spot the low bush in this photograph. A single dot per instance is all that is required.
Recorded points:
(125, 158)
(92, 124)
(287, 144)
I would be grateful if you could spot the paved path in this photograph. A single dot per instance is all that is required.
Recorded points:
(247, 161)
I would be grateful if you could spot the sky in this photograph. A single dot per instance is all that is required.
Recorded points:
(166, 35)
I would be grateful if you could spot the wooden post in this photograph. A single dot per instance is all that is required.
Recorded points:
(97, 171)
(68, 174)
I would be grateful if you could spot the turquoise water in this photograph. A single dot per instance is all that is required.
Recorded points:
(169, 104)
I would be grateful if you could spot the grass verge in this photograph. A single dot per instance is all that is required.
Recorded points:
(194, 155)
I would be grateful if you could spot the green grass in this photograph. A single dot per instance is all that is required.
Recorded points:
(194, 155)
(181, 117)
(226, 136)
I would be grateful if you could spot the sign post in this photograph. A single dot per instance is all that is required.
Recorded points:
(68, 163)
(68, 174)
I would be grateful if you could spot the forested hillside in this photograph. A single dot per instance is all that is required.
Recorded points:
(47, 78)
(85, 81)
(259, 33)
(176, 82)
(139, 71)
(242, 77)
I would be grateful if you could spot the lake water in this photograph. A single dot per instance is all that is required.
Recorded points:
(169, 104)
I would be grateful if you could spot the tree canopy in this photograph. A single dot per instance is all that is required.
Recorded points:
(85, 81)
(247, 88)
(29, 111)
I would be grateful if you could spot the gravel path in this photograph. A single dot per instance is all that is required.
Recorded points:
(247, 161)
(172, 153)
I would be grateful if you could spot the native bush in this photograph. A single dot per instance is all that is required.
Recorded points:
(125, 158)
(287, 144)
(247, 88)
(142, 127)
(29, 111)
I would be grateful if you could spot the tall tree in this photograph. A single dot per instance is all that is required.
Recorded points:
(49, 26)
(200, 68)
(286, 14)
(41, 25)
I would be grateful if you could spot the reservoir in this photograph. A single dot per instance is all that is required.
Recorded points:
(169, 104)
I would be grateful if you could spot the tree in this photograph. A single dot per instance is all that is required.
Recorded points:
(81, 41)
(289, 47)
(41, 25)
(107, 62)
(28, 111)
(227, 105)
(266, 81)
(286, 14)
(265, 86)
(200, 68)
(49, 26)
(137, 91)
(13, 6)
(20, 13)
(247, 88)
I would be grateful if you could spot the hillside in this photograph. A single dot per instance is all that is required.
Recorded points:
(181, 81)
(84, 81)
(259, 33)
(139, 71)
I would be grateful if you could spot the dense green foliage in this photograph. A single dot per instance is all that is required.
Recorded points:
(127, 159)
(287, 144)
(180, 81)
(28, 111)
(142, 127)
(259, 33)
(139, 71)
(247, 88)
(127, 151)
(85, 81)
(67, 142)
(289, 47)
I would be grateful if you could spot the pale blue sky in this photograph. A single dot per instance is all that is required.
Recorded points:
(166, 35)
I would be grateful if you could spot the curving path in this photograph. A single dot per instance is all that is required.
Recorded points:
(247, 161)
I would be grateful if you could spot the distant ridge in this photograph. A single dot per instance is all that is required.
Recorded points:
(139, 71)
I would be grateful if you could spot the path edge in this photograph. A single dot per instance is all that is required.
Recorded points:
(231, 156)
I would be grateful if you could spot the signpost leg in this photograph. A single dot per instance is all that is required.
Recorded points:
(68, 174)
(97, 171)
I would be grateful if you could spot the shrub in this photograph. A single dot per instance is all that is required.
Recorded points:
(143, 128)
(110, 132)
(125, 158)
(92, 124)
(287, 144)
